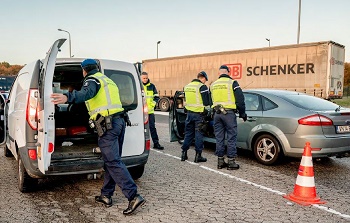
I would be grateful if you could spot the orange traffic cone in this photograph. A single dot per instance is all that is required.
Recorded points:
(304, 189)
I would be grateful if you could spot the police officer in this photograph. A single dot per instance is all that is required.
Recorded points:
(101, 96)
(197, 103)
(228, 99)
(152, 98)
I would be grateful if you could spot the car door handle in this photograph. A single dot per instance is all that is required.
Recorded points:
(251, 119)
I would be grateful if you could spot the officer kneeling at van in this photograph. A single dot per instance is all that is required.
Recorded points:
(197, 102)
(101, 96)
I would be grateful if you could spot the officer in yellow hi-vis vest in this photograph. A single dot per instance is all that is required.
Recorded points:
(197, 102)
(152, 98)
(101, 96)
(228, 99)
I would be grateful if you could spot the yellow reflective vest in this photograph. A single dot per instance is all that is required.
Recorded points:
(107, 100)
(151, 104)
(222, 93)
(194, 101)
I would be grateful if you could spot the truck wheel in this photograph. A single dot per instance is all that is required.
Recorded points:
(25, 182)
(7, 152)
(164, 104)
(266, 149)
(136, 172)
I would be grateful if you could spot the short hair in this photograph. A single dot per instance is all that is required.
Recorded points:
(144, 73)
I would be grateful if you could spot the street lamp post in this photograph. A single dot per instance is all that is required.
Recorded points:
(268, 41)
(299, 22)
(157, 48)
(70, 43)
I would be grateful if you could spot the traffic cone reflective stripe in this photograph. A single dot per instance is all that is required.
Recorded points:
(304, 190)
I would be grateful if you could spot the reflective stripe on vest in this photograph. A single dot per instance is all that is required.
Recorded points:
(222, 93)
(150, 98)
(194, 101)
(107, 99)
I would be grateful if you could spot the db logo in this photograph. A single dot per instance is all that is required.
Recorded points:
(235, 70)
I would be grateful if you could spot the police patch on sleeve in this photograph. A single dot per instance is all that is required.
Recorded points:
(86, 84)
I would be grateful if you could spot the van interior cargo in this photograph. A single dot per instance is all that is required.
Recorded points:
(74, 139)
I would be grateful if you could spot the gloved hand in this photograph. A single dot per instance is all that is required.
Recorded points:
(204, 113)
(244, 117)
(126, 119)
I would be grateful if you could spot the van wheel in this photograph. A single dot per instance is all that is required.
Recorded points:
(7, 152)
(266, 149)
(136, 172)
(164, 104)
(25, 182)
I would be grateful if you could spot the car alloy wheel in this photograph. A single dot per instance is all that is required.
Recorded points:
(266, 149)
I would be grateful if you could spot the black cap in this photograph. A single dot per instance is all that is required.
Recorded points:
(224, 67)
(204, 75)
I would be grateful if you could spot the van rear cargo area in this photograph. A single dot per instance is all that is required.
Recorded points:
(74, 139)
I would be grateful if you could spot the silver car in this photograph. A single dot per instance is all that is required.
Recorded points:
(280, 123)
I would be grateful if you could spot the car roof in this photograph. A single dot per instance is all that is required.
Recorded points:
(275, 92)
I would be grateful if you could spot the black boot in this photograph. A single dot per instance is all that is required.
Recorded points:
(158, 146)
(232, 165)
(221, 163)
(106, 200)
(199, 158)
(134, 204)
(184, 155)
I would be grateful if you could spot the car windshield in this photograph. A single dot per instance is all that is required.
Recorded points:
(309, 102)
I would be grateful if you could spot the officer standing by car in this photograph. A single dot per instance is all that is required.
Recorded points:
(197, 104)
(228, 99)
(101, 96)
(152, 98)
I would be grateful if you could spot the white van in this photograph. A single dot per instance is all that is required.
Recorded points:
(48, 139)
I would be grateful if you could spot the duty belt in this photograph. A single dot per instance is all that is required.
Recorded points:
(193, 112)
(118, 115)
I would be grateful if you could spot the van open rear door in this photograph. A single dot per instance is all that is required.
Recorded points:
(2, 121)
(46, 109)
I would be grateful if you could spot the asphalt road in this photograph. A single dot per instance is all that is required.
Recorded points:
(184, 191)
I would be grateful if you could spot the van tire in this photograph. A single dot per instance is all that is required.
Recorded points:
(164, 104)
(25, 182)
(137, 171)
(7, 152)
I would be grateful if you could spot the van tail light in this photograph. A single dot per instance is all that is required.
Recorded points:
(51, 147)
(32, 154)
(148, 144)
(315, 120)
(32, 109)
(145, 109)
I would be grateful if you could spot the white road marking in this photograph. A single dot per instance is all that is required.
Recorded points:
(255, 185)
(161, 113)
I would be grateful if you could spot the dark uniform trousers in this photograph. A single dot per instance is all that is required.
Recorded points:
(111, 144)
(226, 125)
(152, 128)
(192, 131)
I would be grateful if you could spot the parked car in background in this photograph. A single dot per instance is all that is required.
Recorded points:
(279, 124)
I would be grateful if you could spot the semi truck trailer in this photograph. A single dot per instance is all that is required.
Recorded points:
(313, 68)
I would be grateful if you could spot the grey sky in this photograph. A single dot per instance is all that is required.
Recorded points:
(129, 30)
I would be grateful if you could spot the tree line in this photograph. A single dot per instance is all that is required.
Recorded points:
(346, 74)
(11, 70)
